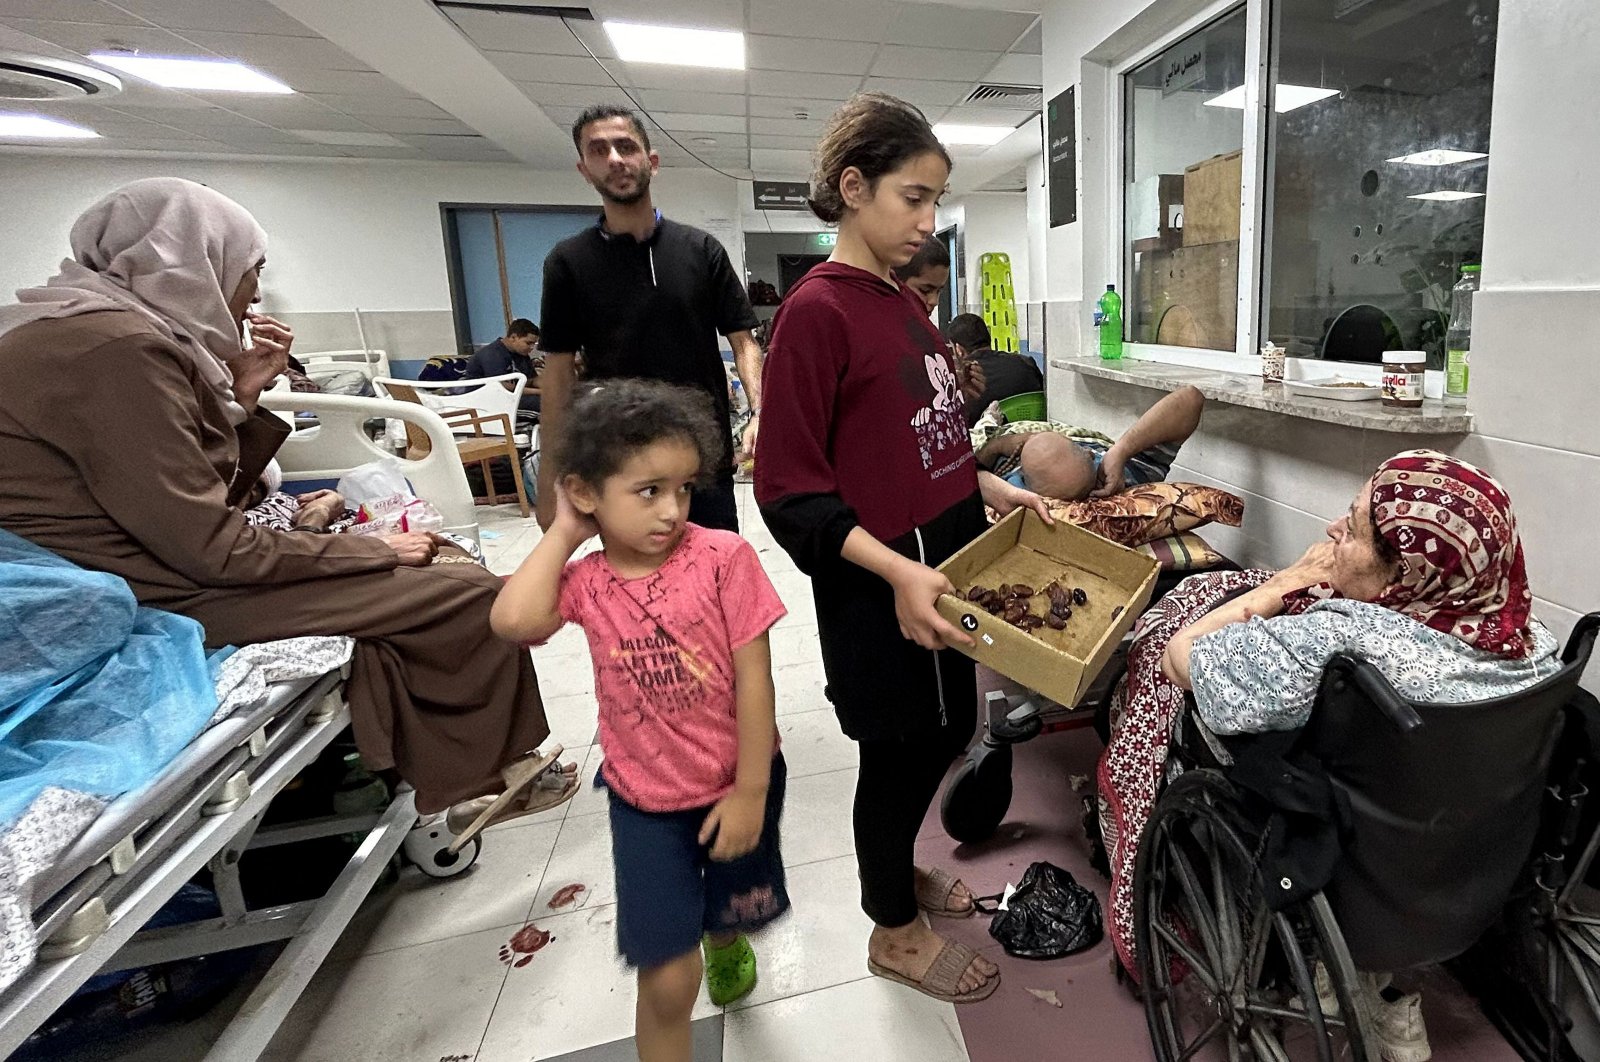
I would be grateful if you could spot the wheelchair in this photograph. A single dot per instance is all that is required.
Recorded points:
(1385, 834)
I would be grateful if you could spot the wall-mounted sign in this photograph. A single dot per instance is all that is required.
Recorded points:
(1061, 157)
(779, 195)
(1186, 67)
(827, 239)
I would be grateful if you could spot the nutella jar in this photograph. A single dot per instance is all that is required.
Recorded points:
(1402, 378)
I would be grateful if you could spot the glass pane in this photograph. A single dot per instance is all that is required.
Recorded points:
(1185, 116)
(1379, 165)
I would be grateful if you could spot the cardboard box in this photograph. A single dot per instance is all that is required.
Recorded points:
(1211, 192)
(1021, 549)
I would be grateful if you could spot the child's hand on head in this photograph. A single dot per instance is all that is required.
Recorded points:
(572, 522)
(735, 823)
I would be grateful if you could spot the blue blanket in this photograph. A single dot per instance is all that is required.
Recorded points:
(96, 694)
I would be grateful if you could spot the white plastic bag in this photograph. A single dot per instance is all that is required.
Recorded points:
(373, 481)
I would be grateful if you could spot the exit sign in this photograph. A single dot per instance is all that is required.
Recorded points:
(827, 239)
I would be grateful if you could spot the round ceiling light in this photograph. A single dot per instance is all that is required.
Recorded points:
(38, 79)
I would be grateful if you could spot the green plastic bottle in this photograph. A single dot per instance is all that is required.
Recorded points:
(1109, 320)
(1458, 339)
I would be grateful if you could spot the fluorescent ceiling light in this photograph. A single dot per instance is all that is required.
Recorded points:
(984, 135)
(348, 139)
(212, 75)
(32, 126)
(677, 45)
(1446, 196)
(1288, 97)
(1439, 157)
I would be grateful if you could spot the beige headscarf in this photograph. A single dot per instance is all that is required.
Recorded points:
(171, 251)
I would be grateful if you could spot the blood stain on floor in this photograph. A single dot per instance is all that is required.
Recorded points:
(566, 896)
(523, 945)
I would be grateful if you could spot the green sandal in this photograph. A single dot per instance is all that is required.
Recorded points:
(730, 970)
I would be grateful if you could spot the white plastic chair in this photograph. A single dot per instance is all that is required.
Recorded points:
(339, 443)
(370, 363)
(489, 397)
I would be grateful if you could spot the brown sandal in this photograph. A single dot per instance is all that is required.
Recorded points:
(531, 779)
(934, 889)
(943, 979)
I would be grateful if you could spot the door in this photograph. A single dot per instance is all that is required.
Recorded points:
(496, 256)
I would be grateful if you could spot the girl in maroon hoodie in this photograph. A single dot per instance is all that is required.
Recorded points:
(867, 478)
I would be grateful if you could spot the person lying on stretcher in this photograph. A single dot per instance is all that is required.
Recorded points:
(1057, 461)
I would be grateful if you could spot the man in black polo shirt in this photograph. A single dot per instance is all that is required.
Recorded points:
(642, 295)
(513, 352)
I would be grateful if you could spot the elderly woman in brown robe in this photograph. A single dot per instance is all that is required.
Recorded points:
(129, 433)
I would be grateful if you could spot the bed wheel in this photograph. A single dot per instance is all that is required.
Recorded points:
(978, 797)
(428, 846)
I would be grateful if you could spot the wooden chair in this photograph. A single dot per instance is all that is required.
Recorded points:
(479, 448)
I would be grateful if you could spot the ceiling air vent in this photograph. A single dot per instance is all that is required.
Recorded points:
(33, 77)
(1023, 97)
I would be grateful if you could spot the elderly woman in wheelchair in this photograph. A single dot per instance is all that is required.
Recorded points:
(1366, 734)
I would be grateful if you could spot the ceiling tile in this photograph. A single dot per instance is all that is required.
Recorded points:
(695, 102)
(237, 16)
(682, 78)
(700, 123)
(957, 27)
(778, 160)
(251, 133)
(162, 144)
(295, 150)
(388, 106)
(419, 126)
(791, 83)
(322, 118)
(554, 69)
(786, 106)
(68, 11)
(977, 115)
(1032, 42)
(935, 63)
(700, 14)
(724, 142)
(788, 127)
(191, 117)
(1017, 70)
(772, 140)
(86, 37)
(578, 96)
(533, 34)
(850, 20)
(924, 94)
(346, 82)
(810, 55)
(404, 151)
(269, 50)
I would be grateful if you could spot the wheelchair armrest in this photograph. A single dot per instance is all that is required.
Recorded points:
(1581, 641)
(1370, 681)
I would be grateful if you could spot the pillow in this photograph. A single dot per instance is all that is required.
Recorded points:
(1149, 511)
(1183, 552)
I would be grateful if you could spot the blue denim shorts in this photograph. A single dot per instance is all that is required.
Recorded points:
(669, 890)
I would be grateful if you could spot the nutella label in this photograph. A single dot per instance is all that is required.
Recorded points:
(1402, 386)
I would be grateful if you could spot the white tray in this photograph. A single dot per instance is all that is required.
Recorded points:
(1321, 389)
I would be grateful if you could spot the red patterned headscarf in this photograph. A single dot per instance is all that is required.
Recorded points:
(1461, 566)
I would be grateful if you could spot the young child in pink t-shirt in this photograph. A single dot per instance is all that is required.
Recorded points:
(676, 617)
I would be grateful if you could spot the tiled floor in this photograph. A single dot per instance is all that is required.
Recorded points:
(436, 970)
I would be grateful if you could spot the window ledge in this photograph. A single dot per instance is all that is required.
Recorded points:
(1252, 392)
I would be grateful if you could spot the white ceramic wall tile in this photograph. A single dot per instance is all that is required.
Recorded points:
(878, 1020)
(1556, 506)
(429, 1001)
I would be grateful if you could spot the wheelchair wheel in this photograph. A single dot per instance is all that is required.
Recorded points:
(1223, 976)
(978, 797)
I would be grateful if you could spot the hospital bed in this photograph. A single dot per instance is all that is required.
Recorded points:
(205, 810)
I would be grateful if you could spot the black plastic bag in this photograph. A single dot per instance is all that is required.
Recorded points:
(1050, 915)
